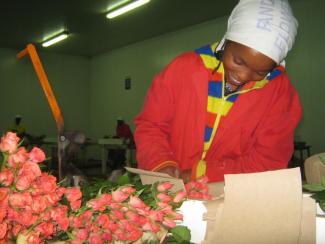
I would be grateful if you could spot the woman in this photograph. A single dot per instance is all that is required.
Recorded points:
(228, 107)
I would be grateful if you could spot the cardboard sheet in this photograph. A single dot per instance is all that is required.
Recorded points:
(266, 207)
(149, 177)
(308, 223)
(314, 169)
(262, 208)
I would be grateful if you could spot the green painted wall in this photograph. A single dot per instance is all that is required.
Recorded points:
(21, 92)
(142, 61)
(306, 70)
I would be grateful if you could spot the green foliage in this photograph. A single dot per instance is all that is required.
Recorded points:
(94, 186)
(124, 180)
(318, 191)
(314, 187)
(179, 235)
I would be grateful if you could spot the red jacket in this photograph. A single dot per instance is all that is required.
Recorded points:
(256, 135)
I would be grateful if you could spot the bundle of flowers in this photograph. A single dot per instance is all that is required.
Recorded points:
(198, 189)
(123, 216)
(35, 208)
(29, 199)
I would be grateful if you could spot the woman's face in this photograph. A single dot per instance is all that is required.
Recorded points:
(243, 64)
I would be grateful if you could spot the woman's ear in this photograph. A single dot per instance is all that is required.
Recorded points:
(218, 54)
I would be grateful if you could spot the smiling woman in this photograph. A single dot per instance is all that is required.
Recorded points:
(243, 64)
(228, 107)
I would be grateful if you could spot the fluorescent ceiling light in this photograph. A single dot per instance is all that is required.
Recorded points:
(55, 39)
(126, 8)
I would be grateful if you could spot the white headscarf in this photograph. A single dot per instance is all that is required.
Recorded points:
(267, 26)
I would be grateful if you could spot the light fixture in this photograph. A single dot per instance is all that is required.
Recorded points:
(126, 8)
(57, 38)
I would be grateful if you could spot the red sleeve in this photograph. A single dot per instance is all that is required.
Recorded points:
(153, 124)
(273, 137)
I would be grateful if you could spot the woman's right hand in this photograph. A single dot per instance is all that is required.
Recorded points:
(172, 171)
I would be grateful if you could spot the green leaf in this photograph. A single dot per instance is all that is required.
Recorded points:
(322, 158)
(123, 180)
(314, 187)
(181, 234)
(319, 196)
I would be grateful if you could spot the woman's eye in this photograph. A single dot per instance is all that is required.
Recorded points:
(262, 73)
(238, 62)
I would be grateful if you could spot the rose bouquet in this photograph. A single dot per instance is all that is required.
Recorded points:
(34, 208)
(29, 199)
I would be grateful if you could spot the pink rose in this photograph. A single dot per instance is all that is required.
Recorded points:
(18, 158)
(121, 235)
(128, 189)
(26, 218)
(151, 226)
(107, 236)
(96, 205)
(119, 196)
(9, 142)
(45, 229)
(31, 169)
(23, 182)
(39, 204)
(4, 192)
(45, 184)
(179, 197)
(75, 205)
(136, 202)
(36, 155)
(59, 215)
(164, 186)
(132, 216)
(134, 235)
(114, 205)
(95, 239)
(6, 177)
(73, 194)
(82, 234)
(156, 215)
(52, 198)
(20, 200)
(33, 238)
(107, 198)
(169, 223)
(103, 220)
(76, 221)
(164, 197)
(116, 214)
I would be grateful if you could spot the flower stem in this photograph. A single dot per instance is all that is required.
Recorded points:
(5, 158)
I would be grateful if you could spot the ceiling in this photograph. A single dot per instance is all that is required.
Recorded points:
(23, 22)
